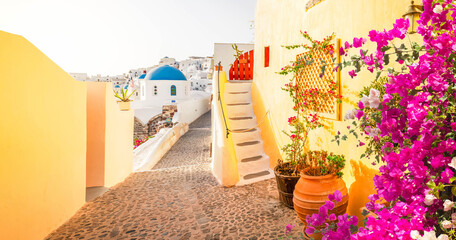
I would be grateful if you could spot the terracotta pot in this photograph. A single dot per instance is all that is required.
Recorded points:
(124, 106)
(311, 192)
(285, 185)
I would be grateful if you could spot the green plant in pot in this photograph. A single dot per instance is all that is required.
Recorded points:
(321, 177)
(287, 170)
(124, 97)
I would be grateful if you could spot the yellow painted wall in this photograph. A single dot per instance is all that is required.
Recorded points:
(42, 141)
(119, 140)
(224, 161)
(277, 23)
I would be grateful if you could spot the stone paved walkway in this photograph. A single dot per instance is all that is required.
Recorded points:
(180, 199)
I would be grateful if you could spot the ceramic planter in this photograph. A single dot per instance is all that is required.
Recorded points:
(285, 185)
(311, 192)
(124, 106)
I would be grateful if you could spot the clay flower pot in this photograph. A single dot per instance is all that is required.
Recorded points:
(311, 192)
(285, 185)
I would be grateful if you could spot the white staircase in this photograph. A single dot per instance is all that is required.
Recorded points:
(253, 163)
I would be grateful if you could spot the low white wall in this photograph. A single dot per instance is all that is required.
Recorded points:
(150, 152)
(190, 110)
(224, 53)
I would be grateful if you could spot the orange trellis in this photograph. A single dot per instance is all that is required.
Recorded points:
(242, 68)
(309, 78)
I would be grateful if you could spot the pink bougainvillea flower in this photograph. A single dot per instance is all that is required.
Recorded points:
(352, 73)
(358, 42)
(289, 228)
(336, 196)
(359, 114)
(310, 230)
(360, 105)
(341, 51)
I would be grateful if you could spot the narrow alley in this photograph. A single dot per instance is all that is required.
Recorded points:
(180, 199)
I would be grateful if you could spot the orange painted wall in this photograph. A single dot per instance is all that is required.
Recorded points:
(96, 127)
(109, 137)
(42, 142)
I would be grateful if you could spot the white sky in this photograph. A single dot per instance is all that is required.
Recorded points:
(113, 36)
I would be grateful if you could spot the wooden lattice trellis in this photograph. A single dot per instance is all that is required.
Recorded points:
(309, 78)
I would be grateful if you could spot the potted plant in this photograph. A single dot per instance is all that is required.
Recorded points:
(124, 103)
(287, 170)
(321, 177)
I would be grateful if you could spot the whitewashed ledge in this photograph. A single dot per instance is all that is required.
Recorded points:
(148, 154)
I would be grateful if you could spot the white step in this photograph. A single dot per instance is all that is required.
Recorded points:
(238, 87)
(248, 149)
(242, 122)
(239, 110)
(253, 164)
(249, 136)
(238, 97)
(255, 177)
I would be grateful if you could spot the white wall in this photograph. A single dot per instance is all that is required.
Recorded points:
(189, 110)
(223, 52)
(163, 97)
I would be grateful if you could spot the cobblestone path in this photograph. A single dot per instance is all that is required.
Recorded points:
(180, 199)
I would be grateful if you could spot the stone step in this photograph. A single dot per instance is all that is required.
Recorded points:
(238, 86)
(242, 122)
(248, 149)
(255, 177)
(259, 165)
(239, 110)
(238, 97)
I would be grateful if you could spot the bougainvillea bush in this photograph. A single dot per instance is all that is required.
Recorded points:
(418, 119)
(413, 120)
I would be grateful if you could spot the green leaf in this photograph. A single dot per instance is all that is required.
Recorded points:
(353, 229)
(416, 55)
(386, 59)
(385, 48)
(378, 75)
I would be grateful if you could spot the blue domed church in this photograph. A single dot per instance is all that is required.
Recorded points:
(163, 86)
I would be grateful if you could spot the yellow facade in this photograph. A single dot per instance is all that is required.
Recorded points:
(119, 140)
(42, 142)
(224, 161)
(278, 23)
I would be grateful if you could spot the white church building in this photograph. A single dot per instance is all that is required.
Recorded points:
(167, 85)
(163, 86)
